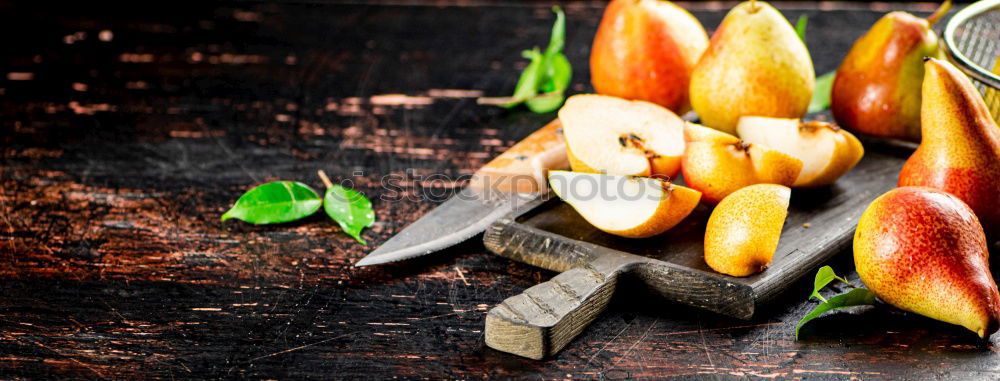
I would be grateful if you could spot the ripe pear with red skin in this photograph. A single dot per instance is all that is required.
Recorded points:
(646, 50)
(877, 87)
(960, 150)
(923, 250)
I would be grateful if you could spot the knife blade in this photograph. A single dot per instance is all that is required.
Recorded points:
(507, 182)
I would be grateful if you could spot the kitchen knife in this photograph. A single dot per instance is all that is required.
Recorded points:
(509, 181)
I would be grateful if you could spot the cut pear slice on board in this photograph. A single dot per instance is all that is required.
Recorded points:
(633, 207)
(606, 134)
(826, 151)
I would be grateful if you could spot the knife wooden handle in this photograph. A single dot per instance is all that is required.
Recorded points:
(544, 318)
(523, 168)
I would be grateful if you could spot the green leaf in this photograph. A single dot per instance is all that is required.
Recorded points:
(556, 70)
(527, 84)
(855, 297)
(800, 27)
(821, 97)
(547, 102)
(274, 203)
(824, 276)
(557, 39)
(558, 77)
(543, 82)
(557, 73)
(350, 209)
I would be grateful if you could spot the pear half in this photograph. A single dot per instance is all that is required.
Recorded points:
(632, 207)
(826, 151)
(607, 134)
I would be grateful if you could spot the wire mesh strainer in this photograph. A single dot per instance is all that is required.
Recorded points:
(972, 40)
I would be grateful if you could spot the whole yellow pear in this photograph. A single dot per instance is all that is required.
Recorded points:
(755, 65)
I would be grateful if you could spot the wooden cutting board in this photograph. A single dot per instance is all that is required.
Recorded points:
(548, 233)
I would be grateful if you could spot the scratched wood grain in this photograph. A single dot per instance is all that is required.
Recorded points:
(127, 131)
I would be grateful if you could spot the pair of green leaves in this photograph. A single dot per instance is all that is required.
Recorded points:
(285, 201)
(854, 297)
(543, 82)
(824, 84)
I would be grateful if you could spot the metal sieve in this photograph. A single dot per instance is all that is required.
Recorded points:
(972, 42)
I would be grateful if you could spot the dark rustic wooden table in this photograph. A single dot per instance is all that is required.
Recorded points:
(127, 131)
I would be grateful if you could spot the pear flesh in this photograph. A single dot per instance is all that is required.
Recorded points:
(612, 135)
(826, 151)
(633, 207)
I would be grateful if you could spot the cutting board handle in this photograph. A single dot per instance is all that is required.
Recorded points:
(544, 318)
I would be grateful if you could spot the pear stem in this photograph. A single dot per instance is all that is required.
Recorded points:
(933, 18)
(753, 6)
(326, 180)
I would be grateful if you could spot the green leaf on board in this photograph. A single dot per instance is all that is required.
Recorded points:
(855, 297)
(275, 202)
(350, 209)
(821, 96)
(800, 27)
(543, 82)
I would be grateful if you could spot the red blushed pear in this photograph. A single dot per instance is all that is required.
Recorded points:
(923, 250)
(877, 87)
(646, 50)
(960, 150)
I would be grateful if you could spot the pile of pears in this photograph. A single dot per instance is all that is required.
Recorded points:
(921, 247)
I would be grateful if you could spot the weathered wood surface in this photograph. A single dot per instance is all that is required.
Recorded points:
(122, 148)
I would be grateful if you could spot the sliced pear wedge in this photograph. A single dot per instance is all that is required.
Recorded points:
(743, 231)
(612, 135)
(632, 207)
(717, 164)
(827, 152)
